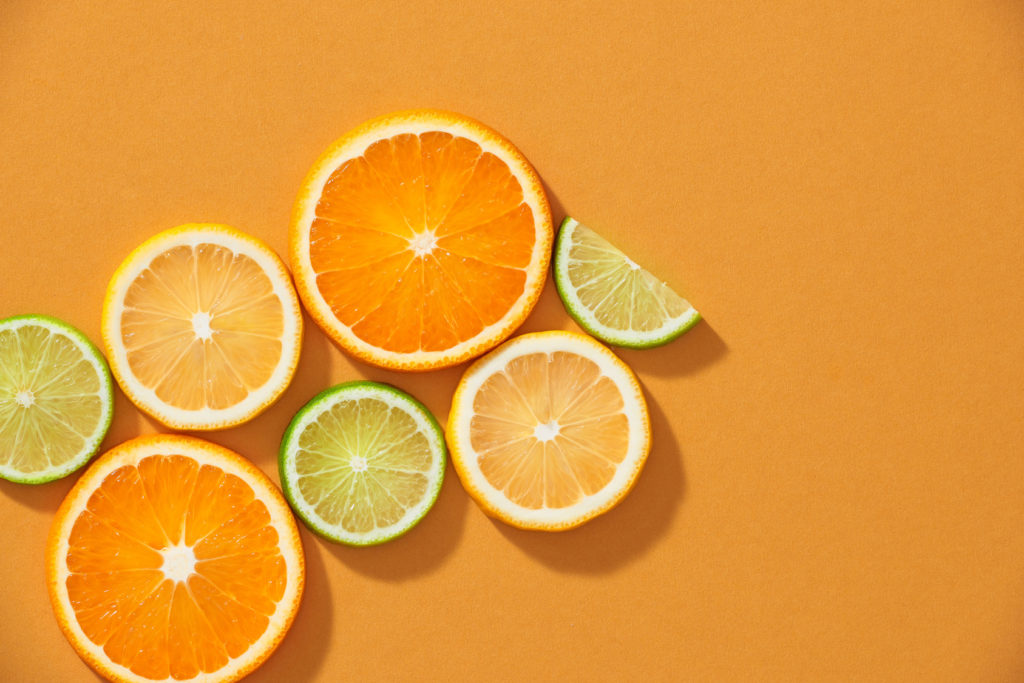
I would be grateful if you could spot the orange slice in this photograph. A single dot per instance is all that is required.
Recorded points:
(174, 558)
(420, 240)
(202, 327)
(548, 431)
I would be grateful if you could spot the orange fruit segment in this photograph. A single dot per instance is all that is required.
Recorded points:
(202, 327)
(421, 239)
(548, 431)
(174, 558)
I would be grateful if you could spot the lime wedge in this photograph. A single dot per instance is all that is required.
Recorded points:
(56, 399)
(612, 297)
(362, 463)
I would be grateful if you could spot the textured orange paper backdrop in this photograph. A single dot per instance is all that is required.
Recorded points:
(836, 490)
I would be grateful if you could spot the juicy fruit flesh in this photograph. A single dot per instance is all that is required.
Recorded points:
(202, 327)
(362, 463)
(620, 294)
(174, 567)
(549, 429)
(421, 242)
(50, 399)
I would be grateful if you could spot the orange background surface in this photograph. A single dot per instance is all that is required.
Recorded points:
(836, 490)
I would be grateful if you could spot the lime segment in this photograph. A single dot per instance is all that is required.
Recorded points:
(611, 296)
(56, 399)
(362, 463)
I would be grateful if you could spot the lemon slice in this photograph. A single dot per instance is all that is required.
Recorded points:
(362, 463)
(611, 296)
(202, 327)
(549, 430)
(56, 399)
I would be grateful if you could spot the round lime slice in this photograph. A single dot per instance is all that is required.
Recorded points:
(611, 296)
(56, 399)
(362, 463)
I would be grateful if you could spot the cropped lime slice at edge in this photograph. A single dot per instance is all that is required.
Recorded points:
(611, 296)
(362, 463)
(56, 399)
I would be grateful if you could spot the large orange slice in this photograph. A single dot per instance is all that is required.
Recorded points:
(548, 431)
(202, 326)
(174, 559)
(420, 240)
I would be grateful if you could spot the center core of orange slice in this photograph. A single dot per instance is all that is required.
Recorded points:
(179, 562)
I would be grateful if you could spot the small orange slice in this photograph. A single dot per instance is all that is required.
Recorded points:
(420, 240)
(548, 431)
(173, 558)
(202, 327)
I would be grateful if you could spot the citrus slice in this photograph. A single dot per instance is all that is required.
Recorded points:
(56, 399)
(612, 297)
(362, 463)
(420, 239)
(202, 327)
(174, 558)
(548, 431)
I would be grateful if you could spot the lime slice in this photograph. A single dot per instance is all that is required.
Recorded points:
(612, 297)
(56, 399)
(362, 463)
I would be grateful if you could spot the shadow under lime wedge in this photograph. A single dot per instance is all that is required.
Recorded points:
(362, 463)
(56, 399)
(611, 296)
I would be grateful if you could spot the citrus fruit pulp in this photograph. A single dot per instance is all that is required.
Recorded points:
(173, 557)
(420, 239)
(362, 463)
(202, 327)
(611, 296)
(548, 431)
(56, 399)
